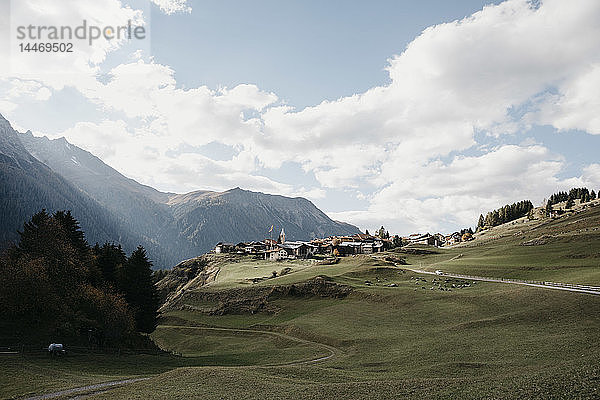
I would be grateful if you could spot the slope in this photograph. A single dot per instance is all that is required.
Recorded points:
(236, 215)
(562, 249)
(138, 207)
(27, 186)
(174, 227)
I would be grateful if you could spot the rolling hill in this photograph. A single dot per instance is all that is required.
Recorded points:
(392, 333)
(364, 327)
(561, 249)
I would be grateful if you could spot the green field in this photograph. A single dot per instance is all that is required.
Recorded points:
(390, 336)
(487, 340)
(29, 374)
(567, 250)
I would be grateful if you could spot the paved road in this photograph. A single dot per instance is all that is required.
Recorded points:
(546, 285)
(91, 390)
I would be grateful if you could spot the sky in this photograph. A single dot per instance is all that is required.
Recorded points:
(417, 116)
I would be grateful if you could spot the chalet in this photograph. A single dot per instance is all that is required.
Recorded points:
(349, 248)
(440, 238)
(299, 249)
(325, 248)
(224, 248)
(426, 239)
(276, 254)
(453, 238)
(253, 247)
(366, 248)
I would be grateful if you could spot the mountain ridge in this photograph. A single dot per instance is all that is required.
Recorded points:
(172, 226)
(28, 185)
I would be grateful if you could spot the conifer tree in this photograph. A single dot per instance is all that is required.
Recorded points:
(140, 292)
(110, 259)
(49, 285)
(570, 203)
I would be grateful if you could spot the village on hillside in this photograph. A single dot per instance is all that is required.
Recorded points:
(558, 205)
(338, 246)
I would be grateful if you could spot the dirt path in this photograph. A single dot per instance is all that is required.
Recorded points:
(333, 352)
(91, 390)
(99, 387)
(595, 290)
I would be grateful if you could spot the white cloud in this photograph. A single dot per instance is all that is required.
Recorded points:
(19, 91)
(438, 196)
(28, 88)
(196, 116)
(591, 177)
(173, 6)
(105, 140)
(453, 79)
(402, 145)
(76, 68)
(576, 104)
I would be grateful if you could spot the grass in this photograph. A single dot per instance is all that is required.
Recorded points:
(571, 252)
(29, 374)
(224, 347)
(483, 341)
(488, 340)
(35, 374)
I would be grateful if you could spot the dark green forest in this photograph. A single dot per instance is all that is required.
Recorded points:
(55, 286)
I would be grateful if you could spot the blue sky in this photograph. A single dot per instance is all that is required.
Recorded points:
(414, 115)
(305, 51)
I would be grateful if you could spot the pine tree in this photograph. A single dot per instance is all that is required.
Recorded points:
(570, 203)
(139, 290)
(481, 222)
(71, 226)
(110, 259)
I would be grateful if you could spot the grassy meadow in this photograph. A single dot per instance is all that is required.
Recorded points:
(483, 341)
(566, 250)
(392, 336)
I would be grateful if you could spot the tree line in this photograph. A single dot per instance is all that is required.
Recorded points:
(505, 214)
(53, 284)
(582, 194)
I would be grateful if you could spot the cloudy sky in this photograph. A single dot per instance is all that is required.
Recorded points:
(414, 115)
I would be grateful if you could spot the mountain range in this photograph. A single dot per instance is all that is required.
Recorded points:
(36, 173)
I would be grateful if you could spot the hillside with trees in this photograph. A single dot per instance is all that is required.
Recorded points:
(505, 214)
(584, 195)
